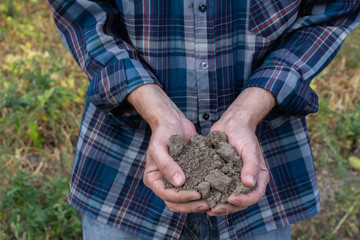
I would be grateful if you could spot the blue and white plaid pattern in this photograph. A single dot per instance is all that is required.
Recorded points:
(202, 60)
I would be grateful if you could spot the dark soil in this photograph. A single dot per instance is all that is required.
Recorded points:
(211, 166)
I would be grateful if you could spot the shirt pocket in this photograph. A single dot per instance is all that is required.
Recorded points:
(270, 18)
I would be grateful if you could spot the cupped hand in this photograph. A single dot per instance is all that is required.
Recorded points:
(254, 170)
(239, 123)
(159, 164)
(165, 120)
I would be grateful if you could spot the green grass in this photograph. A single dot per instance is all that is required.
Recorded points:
(42, 97)
(335, 136)
(34, 210)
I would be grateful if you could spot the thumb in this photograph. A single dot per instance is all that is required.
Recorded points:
(169, 168)
(251, 167)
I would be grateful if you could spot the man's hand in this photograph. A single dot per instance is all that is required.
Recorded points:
(239, 123)
(165, 120)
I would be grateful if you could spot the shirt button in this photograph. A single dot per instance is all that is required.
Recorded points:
(206, 116)
(204, 65)
(202, 8)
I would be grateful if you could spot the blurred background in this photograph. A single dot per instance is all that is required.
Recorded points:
(42, 96)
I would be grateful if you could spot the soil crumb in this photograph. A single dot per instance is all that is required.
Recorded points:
(211, 166)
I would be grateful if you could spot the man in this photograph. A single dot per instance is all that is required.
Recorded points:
(158, 68)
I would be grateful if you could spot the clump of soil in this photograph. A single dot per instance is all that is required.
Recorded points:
(211, 166)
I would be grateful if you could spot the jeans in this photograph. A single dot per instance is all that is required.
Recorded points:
(197, 226)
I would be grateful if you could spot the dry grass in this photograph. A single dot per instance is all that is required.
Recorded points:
(333, 141)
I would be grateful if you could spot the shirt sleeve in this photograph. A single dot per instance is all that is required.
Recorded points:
(305, 49)
(96, 37)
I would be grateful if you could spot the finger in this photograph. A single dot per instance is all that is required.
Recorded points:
(171, 194)
(153, 179)
(251, 164)
(224, 209)
(166, 165)
(246, 200)
(194, 206)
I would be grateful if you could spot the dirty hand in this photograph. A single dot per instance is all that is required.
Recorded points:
(165, 120)
(239, 123)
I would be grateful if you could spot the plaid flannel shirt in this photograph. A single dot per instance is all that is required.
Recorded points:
(203, 53)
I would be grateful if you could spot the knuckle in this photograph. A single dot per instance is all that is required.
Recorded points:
(150, 147)
(166, 169)
(145, 181)
(153, 145)
(149, 153)
(161, 195)
(259, 194)
(267, 179)
(172, 207)
(266, 175)
(256, 165)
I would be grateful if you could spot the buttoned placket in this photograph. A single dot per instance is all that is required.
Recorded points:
(203, 66)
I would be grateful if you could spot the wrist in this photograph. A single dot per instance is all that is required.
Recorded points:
(249, 108)
(152, 103)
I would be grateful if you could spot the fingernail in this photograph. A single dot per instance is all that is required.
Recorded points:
(250, 179)
(177, 179)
